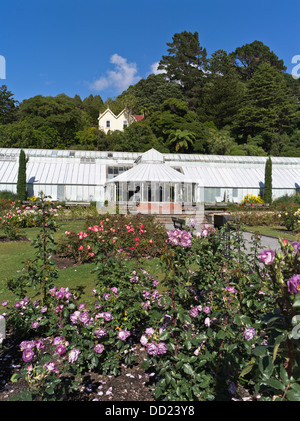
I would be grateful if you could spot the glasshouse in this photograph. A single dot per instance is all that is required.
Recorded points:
(151, 180)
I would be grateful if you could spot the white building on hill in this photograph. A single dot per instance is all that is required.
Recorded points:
(108, 121)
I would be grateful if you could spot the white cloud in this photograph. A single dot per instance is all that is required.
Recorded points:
(124, 75)
(154, 68)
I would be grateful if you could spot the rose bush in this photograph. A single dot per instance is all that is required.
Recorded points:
(14, 216)
(289, 216)
(126, 234)
(220, 320)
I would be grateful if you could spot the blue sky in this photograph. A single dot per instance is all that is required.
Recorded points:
(101, 47)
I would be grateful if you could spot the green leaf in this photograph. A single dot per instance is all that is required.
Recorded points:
(278, 341)
(260, 351)
(296, 374)
(168, 378)
(164, 335)
(296, 387)
(26, 395)
(246, 370)
(284, 375)
(15, 377)
(292, 395)
(221, 334)
(266, 367)
(276, 384)
(296, 302)
(188, 344)
(158, 392)
(249, 303)
(205, 382)
(188, 369)
(50, 390)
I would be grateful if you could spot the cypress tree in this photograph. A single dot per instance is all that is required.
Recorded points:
(21, 183)
(268, 181)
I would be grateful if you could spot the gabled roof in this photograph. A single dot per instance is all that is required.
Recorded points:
(136, 117)
(149, 172)
(151, 156)
(108, 111)
(150, 166)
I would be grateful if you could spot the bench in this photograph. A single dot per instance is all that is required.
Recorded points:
(225, 219)
(178, 222)
(73, 204)
(215, 206)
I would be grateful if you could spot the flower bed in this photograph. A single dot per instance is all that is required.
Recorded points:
(14, 216)
(228, 325)
(122, 234)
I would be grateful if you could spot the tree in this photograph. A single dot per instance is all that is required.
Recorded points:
(87, 138)
(150, 93)
(22, 180)
(293, 84)
(290, 145)
(268, 181)
(22, 134)
(223, 91)
(8, 106)
(181, 140)
(175, 106)
(138, 137)
(268, 108)
(59, 113)
(186, 65)
(253, 146)
(249, 57)
(220, 142)
(92, 105)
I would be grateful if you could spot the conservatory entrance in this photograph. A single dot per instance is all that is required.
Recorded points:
(151, 187)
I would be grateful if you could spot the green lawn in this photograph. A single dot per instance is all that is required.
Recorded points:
(14, 253)
(278, 232)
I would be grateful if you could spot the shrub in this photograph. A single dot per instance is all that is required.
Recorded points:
(249, 198)
(14, 216)
(7, 195)
(290, 217)
(286, 200)
(136, 234)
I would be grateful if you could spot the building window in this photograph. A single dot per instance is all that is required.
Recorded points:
(212, 194)
(107, 124)
(125, 124)
(112, 172)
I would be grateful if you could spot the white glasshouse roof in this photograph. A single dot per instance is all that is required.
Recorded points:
(244, 177)
(226, 177)
(151, 172)
(61, 153)
(47, 172)
(150, 166)
(90, 168)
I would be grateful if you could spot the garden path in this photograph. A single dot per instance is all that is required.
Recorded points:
(267, 242)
